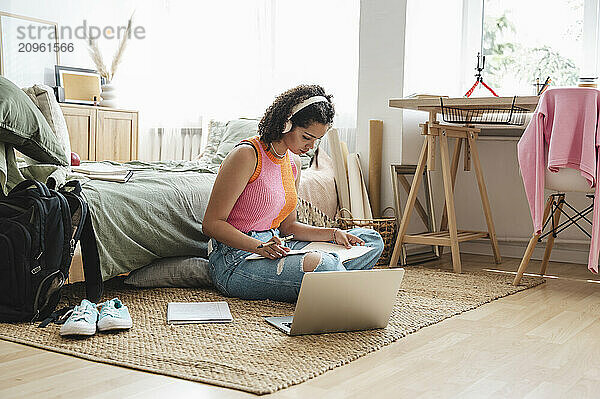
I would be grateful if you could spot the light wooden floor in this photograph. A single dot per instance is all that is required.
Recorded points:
(540, 343)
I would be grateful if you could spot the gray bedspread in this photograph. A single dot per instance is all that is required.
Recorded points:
(156, 214)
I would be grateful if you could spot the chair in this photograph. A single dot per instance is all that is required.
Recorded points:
(562, 136)
(561, 182)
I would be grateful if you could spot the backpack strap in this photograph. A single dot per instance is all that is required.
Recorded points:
(58, 316)
(24, 185)
(89, 249)
(91, 261)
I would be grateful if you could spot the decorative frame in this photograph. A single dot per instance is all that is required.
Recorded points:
(81, 85)
(24, 57)
(427, 214)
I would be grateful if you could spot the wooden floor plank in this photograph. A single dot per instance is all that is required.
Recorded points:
(563, 326)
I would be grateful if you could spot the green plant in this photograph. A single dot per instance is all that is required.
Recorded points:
(507, 59)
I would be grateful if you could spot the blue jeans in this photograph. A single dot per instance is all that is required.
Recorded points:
(279, 279)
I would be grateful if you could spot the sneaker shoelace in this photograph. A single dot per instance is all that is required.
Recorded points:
(78, 313)
(111, 311)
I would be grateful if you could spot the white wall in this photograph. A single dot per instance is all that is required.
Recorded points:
(381, 77)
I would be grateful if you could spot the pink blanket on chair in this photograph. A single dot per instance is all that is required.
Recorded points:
(567, 121)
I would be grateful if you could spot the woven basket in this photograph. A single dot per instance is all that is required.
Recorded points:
(385, 226)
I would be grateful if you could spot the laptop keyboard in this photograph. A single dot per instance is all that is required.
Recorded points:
(288, 325)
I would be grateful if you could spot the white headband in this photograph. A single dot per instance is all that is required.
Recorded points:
(307, 102)
(311, 100)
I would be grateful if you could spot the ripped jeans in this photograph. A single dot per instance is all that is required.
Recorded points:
(279, 279)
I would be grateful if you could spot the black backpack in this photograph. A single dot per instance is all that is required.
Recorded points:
(39, 229)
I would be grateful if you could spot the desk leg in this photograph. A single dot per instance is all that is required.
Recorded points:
(410, 202)
(430, 152)
(484, 198)
(455, 159)
(449, 193)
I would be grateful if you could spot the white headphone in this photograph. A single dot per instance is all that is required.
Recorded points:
(296, 108)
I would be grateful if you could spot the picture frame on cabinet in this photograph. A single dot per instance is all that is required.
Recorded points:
(80, 85)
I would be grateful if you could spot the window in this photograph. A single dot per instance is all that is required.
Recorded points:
(528, 40)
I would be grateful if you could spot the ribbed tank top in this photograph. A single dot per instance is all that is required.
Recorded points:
(270, 195)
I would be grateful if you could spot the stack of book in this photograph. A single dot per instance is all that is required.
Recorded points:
(103, 171)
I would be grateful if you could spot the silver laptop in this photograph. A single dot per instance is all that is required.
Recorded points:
(342, 301)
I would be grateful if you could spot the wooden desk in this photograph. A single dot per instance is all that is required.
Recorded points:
(448, 234)
(433, 104)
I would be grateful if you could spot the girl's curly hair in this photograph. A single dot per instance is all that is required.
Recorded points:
(271, 125)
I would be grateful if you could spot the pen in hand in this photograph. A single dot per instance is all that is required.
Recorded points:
(283, 239)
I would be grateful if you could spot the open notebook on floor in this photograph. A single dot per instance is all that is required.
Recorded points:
(344, 253)
(198, 312)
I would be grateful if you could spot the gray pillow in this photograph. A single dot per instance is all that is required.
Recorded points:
(23, 125)
(43, 97)
(235, 131)
(215, 132)
(186, 272)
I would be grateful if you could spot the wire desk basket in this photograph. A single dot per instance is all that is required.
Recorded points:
(504, 115)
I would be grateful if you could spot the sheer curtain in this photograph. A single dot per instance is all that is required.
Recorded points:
(220, 60)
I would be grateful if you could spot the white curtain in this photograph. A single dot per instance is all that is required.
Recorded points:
(229, 59)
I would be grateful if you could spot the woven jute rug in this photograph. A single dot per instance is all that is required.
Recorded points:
(249, 354)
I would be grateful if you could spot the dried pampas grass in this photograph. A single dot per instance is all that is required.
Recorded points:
(119, 54)
(96, 56)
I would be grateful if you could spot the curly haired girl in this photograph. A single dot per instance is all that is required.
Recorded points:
(253, 203)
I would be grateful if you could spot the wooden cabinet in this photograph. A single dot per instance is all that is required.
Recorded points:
(100, 133)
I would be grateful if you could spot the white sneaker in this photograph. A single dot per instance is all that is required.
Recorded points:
(114, 316)
(82, 320)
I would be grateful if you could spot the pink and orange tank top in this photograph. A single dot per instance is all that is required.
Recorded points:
(270, 195)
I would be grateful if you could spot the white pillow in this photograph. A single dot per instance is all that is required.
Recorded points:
(43, 97)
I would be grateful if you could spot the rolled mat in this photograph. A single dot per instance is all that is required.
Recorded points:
(341, 176)
(355, 186)
(375, 155)
(365, 194)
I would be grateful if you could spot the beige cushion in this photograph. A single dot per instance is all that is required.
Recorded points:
(317, 185)
(43, 97)
(567, 180)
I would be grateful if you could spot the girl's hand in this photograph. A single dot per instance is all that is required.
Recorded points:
(346, 239)
(273, 251)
